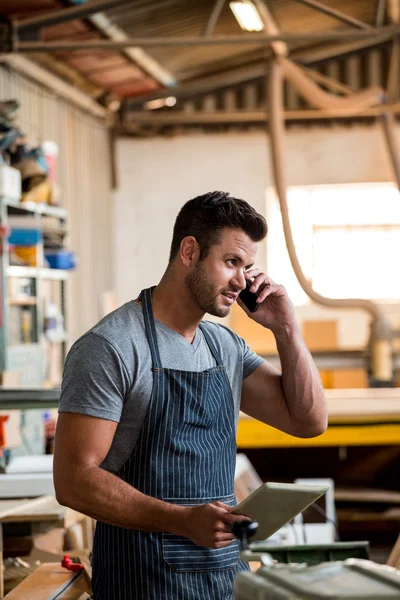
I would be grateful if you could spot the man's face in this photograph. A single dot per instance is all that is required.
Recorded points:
(215, 282)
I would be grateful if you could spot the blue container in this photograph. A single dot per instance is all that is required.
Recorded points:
(25, 237)
(61, 259)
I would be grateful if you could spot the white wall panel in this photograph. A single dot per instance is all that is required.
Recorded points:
(157, 175)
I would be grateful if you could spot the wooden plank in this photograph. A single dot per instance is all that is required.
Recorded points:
(391, 514)
(1, 576)
(367, 495)
(394, 557)
(44, 583)
(44, 508)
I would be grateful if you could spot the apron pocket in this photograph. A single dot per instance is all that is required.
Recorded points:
(184, 556)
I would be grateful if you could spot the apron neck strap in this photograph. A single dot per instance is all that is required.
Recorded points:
(145, 297)
(211, 345)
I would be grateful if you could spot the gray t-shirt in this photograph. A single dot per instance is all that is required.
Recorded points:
(108, 374)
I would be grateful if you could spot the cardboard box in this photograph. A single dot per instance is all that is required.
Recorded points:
(320, 335)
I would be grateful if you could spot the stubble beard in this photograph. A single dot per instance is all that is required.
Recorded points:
(203, 293)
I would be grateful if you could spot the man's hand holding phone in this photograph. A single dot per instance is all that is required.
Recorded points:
(266, 302)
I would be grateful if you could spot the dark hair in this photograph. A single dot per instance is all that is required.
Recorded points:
(205, 216)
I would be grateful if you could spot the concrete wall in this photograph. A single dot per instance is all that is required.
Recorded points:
(157, 175)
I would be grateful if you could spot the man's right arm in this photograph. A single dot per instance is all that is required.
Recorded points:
(82, 442)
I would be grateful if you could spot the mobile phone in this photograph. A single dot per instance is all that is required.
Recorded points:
(249, 298)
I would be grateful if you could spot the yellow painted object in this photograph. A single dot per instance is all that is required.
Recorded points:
(254, 434)
(28, 254)
(357, 417)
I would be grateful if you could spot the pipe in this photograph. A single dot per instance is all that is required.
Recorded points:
(320, 99)
(380, 343)
(276, 131)
(387, 122)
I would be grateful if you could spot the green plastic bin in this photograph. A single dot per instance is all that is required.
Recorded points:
(313, 554)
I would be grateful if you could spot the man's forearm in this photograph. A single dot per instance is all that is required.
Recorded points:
(108, 498)
(301, 384)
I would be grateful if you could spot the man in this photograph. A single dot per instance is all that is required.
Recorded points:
(150, 401)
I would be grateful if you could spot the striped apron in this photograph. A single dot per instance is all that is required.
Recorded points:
(185, 455)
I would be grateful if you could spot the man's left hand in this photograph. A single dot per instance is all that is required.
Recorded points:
(275, 309)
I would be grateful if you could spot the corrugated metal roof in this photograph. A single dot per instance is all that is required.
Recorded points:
(189, 17)
(162, 18)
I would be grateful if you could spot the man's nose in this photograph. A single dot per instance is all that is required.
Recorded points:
(240, 280)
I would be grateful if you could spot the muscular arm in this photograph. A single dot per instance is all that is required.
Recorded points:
(82, 442)
(292, 400)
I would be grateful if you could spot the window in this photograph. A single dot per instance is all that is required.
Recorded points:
(347, 239)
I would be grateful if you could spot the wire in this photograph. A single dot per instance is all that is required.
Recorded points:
(322, 512)
(304, 530)
(296, 537)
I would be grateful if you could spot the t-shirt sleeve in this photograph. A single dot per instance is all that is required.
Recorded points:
(95, 379)
(251, 360)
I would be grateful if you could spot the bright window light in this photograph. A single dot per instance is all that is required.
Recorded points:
(347, 239)
(247, 15)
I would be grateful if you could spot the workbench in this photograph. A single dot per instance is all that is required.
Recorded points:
(39, 510)
(366, 417)
(51, 580)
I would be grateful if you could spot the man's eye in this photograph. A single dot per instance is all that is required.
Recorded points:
(231, 261)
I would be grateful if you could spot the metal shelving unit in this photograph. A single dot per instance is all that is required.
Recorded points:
(28, 398)
(29, 358)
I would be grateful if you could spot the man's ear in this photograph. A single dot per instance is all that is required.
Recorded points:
(189, 251)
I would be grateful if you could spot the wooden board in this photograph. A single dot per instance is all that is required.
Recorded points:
(320, 335)
(367, 495)
(44, 583)
(44, 508)
(394, 558)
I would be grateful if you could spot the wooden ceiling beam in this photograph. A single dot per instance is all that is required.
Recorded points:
(179, 117)
(66, 14)
(279, 48)
(336, 14)
(213, 18)
(240, 75)
(393, 9)
(244, 39)
(380, 13)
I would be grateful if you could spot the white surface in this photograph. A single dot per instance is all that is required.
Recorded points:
(31, 464)
(10, 182)
(18, 485)
(244, 465)
(319, 533)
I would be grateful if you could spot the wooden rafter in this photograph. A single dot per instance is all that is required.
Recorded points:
(336, 14)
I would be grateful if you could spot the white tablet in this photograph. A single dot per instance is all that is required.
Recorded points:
(272, 505)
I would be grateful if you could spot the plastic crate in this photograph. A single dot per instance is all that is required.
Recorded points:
(314, 554)
(61, 259)
(25, 237)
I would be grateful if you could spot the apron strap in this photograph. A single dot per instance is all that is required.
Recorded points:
(145, 297)
(211, 345)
